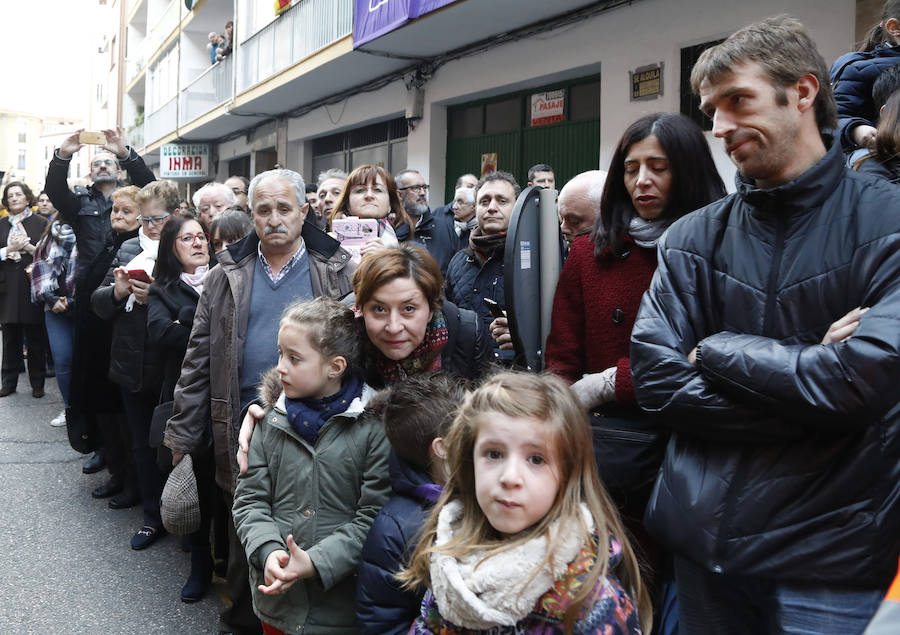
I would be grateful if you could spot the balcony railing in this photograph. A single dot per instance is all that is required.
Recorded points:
(161, 122)
(133, 68)
(212, 88)
(163, 27)
(305, 28)
(135, 137)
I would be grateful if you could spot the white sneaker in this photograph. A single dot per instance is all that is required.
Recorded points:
(59, 420)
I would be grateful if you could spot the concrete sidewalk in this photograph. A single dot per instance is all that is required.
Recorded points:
(65, 561)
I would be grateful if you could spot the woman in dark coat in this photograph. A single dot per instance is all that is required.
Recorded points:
(661, 170)
(134, 361)
(181, 265)
(19, 233)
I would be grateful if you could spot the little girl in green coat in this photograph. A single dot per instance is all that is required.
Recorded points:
(317, 475)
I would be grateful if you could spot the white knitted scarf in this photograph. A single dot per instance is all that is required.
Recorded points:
(504, 588)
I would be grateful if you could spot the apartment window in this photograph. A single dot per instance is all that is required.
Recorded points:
(21, 159)
(690, 103)
(22, 125)
(381, 144)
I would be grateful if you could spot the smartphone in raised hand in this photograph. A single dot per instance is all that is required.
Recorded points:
(92, 138)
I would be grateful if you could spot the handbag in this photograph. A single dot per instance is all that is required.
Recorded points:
(629, 448)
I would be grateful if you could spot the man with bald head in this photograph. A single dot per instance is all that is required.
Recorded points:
(578, 203)
(234, 333)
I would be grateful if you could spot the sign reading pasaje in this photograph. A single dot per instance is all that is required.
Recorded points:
(547, 108)
(184, 160)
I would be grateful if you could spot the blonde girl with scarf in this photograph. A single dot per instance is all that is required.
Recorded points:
(524, 538)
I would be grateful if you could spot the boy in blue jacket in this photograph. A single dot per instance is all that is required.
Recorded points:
(418, 470)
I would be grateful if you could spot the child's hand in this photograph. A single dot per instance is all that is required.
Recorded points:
(277, 579)
(283, 570)
(300, 565)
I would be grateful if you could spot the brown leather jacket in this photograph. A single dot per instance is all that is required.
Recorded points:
(207, 396)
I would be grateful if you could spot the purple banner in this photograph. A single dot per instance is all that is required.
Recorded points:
(374, 18)
(418, 8)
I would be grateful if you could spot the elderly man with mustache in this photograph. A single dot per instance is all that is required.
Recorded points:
(234, 334)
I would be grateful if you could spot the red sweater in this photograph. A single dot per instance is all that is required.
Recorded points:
(606, 295)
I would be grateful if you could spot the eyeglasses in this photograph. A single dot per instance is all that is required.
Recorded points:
(153, 220)
(415, 188)
(188, 239)
(238, 190)
(98, 162)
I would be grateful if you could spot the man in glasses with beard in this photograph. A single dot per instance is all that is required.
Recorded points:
(87, 210)
(235, 327)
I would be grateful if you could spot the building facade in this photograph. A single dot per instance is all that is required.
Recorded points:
(443, 86)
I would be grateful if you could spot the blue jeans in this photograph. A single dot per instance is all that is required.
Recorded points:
(715, 603)
(60, 332)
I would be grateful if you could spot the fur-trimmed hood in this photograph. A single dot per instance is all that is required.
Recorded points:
(270, 389)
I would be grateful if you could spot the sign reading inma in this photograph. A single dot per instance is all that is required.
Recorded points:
(184, 160)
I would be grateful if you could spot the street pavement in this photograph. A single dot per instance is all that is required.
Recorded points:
(65, 561)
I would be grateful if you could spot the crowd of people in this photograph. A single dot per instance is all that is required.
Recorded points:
(714, 447)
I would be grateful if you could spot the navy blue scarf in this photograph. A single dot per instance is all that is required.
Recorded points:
(307, 416)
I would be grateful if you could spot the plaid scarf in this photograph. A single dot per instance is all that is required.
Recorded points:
(425, 358)
(54, 258)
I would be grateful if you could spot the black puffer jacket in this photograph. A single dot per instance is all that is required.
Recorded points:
(135, 363)
(382, 606)
(852, 76)
(469, 281)
(785, 458)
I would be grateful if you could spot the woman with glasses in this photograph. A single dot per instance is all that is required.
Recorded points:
(370, 192)
(135, 362)
(181, 266)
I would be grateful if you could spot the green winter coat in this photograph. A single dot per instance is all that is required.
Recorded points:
(326, 495)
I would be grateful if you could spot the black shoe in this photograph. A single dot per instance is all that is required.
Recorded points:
(110, 488)
(37, 393)
(199, 580)
(146, 536)
(95, 463)
(6, 391)
(125, 500)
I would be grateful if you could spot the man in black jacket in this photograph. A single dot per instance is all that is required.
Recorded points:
(87, 210)
(433, 230)
(768, 341)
